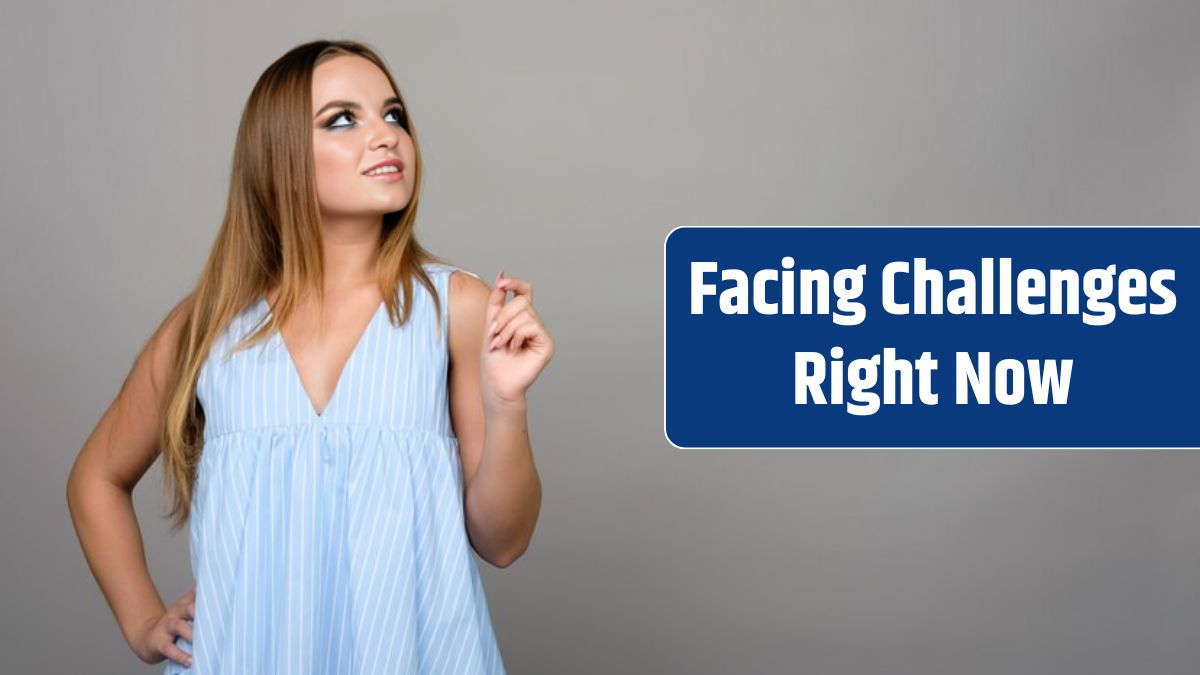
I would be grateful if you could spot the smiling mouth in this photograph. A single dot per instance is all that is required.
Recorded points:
(389, 170)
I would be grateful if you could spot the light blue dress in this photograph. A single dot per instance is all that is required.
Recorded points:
(334, 543)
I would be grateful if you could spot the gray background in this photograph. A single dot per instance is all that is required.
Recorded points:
(564, 141)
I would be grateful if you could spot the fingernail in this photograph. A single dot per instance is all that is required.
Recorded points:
(492, 328)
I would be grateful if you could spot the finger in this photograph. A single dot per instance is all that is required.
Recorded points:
(177, 626)
(519, 287)
(173, 652)
(185, 607)
(510, 312)
(525, 334)
(495, 299)
(506, 314)
(509, 329)
(505, 333)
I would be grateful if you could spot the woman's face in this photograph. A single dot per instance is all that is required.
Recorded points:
(357, 124)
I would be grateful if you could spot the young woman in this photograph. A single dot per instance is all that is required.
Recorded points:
(341, 415)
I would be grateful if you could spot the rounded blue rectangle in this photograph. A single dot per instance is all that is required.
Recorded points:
(764, 369)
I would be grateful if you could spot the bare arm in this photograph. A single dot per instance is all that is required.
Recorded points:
(503, 490)
(123, 445)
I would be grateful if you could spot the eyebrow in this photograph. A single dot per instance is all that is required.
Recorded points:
(352, 105)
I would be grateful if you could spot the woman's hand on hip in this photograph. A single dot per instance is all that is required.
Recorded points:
(155, 640)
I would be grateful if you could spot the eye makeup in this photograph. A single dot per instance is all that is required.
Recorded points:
(347, 112)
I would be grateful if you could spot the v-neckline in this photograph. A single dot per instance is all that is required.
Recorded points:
(342, 374)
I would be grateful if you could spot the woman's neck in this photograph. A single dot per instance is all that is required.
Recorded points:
(351, 251)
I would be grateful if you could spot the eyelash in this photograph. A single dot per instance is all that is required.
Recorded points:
(344, 112)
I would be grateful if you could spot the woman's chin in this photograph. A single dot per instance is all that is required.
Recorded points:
(396, 204)
(388, 206)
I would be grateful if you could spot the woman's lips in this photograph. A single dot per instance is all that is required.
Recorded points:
(389, 177)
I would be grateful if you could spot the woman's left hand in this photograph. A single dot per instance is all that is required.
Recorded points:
(516, 346)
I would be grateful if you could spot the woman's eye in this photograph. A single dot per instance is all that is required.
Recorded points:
(398, 113)
(339, 116)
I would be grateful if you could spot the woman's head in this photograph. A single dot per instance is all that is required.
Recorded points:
(298, 164)
(302, 161)
(359, 123)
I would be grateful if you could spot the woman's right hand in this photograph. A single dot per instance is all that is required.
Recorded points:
(155, 640)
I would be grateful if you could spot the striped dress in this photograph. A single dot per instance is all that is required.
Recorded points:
(334, 542)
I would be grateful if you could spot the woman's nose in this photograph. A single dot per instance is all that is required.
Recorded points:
(383, 135)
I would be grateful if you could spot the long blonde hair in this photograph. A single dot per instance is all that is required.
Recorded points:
(270, 236)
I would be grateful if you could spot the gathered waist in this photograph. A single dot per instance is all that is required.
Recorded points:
(331, 427)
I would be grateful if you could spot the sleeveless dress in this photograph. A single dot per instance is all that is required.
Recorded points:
(334, 543)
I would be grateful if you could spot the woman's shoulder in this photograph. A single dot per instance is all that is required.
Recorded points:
(166, 336)
(447, 268)
(467, 294)
(459, 281)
